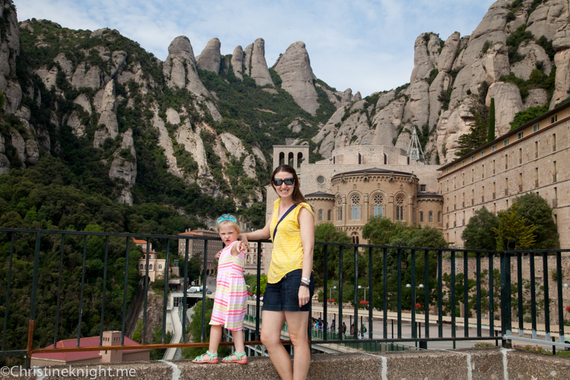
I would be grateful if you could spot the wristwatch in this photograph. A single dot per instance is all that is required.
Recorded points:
(305, 279)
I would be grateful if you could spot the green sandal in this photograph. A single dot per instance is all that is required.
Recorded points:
(212, 358)
(240, 358)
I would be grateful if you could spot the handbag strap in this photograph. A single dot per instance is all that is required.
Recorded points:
(281, 219)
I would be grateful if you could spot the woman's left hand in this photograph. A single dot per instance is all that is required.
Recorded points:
(304, 296)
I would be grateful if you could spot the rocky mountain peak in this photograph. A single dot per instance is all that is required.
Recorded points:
(181, 46)
(210, 58)
(258, 69)
(294, 68)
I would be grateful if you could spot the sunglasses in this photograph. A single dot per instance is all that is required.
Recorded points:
(279, 181)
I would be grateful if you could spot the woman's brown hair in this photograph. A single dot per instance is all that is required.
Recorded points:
(297, 195)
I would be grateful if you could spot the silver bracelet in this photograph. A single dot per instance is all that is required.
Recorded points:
(308, 280)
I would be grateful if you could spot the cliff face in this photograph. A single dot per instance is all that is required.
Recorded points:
(508, 46)
(211, 120)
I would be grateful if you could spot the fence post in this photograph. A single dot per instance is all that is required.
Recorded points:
(506, 327)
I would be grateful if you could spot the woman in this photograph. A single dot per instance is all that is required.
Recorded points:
(290, 283)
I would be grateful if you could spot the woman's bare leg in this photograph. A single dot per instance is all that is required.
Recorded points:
(297, 324)
(271, 339)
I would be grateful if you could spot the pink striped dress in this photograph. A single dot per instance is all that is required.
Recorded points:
(231, 294)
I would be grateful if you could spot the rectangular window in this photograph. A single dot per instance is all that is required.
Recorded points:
(472, 158)
(535, 127)
(421, 216)
(439, 216)
(493, 148)
(482, 153)
(554, 142)
(355, 212)
(378, 210)
(554, 119)
(482, 171)
(422, 187)
(431, 216)
(520, 135)
(320, 214)
(505, 142)
(329, 212)
(339, 212)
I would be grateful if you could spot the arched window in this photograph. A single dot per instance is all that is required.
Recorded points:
(339, 207)
(320, 214)
(150, 267)
(355, 238)
(329, 212)
(439, 216)
(421, 216)
(378, 201)
(141, 266)
(159, 266)
(355, 200)
(299, 159)
(290, 159)
(281, 158)
(431, 216)
(359, 159)
(400, 207)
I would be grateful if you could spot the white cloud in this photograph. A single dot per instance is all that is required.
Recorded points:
(366, 45)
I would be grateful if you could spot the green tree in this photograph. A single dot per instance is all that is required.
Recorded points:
(326, 232)
(478, 133)
(479, 233)
(513, 232)
(491, 134)
(523, 117)
(538, 213)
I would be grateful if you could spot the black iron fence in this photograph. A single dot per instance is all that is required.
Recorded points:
(69, 284)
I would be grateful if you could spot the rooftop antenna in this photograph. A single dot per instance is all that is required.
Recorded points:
(415, 152)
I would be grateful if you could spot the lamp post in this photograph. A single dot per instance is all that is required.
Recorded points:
(330, 291)
(363, 287)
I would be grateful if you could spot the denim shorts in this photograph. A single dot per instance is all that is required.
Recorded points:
(284, 295)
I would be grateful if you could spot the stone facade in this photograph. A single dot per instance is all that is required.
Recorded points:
(532, 158)
(358, 182)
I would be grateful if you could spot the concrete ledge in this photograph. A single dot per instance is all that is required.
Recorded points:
(472, 364)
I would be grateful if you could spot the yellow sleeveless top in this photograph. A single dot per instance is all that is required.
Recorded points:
(287, 253)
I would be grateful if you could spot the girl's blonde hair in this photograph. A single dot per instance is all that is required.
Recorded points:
(234, 224)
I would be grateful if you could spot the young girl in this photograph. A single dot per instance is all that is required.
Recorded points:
(231, 294)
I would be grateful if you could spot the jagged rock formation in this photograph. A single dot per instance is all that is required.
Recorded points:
(294, 68)
(448, 77)
(210, 58)
(124, 166)
(238, 62)
(114, 97)
(256, 65)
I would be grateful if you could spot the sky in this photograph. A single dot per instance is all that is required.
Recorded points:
(365, 45)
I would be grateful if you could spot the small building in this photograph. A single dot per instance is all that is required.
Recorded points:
(110, 338)
(156, 266)
(362, 181)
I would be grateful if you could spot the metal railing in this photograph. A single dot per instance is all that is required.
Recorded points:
(527, 304)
